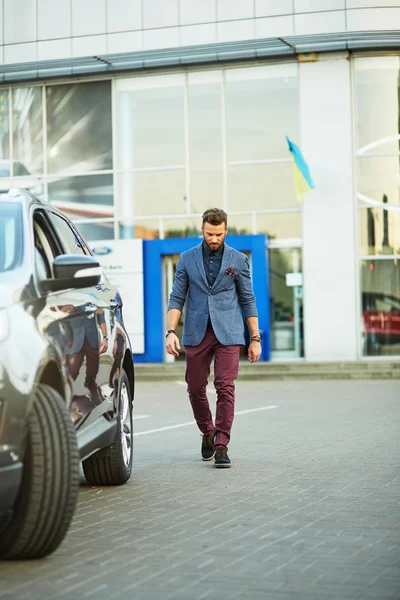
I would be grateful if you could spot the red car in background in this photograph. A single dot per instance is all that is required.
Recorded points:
(381, 321)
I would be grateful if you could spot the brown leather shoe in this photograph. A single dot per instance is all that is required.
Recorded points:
(222, 460)
(207, 446)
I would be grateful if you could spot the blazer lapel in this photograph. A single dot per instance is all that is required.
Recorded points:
(200, 262)
(226, 259)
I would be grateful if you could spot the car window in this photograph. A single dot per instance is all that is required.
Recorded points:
(11, 248)
(386, 304)
(70, 240)
(42, 264)
(45, 248)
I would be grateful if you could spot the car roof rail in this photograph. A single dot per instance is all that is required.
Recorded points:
(17, 192)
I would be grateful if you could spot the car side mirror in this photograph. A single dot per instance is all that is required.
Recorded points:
(72, 271)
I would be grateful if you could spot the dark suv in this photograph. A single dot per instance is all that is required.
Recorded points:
(66, 376)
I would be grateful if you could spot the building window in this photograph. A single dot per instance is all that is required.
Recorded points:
(205, 129)
(4, 133)
(79, 133)
(184, 142)
(380, 293)
(377, 94)
(61, 149)
(28, 131)
(187, 142)
(79, 154)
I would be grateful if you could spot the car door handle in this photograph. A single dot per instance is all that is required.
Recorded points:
(90, 308)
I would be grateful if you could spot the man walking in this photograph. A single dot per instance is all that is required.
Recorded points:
(216, 278)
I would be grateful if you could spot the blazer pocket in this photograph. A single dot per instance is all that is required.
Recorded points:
(190, 321)
(235, 321)
(227, 284)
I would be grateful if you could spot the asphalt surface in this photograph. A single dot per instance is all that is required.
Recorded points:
(310, 509)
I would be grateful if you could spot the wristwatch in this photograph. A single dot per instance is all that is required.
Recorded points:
(256, 337)
(169, 331)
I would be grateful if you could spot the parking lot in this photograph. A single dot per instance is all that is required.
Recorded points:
(310, 509)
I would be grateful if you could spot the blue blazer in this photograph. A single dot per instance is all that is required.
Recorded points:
(83, 326)
(227, 302)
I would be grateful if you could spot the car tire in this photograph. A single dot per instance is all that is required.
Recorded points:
(50, 481)
(113, 465)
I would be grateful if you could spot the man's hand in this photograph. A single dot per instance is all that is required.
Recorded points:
(67, 308)
(254, 352)
(103, 346)
(173, 344)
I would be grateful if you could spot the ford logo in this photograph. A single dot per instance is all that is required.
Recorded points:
(101, 250)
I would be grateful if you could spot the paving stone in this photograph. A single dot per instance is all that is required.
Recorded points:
(310, 509)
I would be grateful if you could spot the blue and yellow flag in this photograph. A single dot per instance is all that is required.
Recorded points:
(302, 176)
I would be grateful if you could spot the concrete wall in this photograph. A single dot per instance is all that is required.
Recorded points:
(49, 29)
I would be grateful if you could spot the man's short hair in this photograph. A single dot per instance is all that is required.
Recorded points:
(215, 216)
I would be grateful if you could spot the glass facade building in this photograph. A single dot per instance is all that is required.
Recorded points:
(377, 143)
(142, 154)
(181, 143)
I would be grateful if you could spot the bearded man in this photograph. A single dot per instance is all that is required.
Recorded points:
(216, 281)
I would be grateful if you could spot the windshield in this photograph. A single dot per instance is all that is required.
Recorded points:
(11, 245)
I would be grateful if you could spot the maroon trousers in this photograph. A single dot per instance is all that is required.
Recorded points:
(226, 367)
(92, 364)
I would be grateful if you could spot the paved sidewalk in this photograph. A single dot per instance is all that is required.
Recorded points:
(296, 370)
(309, 511)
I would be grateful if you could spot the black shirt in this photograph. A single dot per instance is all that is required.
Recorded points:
(212, 263)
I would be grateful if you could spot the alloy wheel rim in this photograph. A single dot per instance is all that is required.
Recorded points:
(125, 425)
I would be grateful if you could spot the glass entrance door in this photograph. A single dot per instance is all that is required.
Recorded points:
(286, 308)
(169, 269)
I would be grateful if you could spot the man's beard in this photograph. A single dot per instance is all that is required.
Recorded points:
(215, 247)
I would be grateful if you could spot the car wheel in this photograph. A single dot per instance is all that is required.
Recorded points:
(50, 481)
(113, 465)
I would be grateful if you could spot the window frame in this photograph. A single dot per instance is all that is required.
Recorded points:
(41, 228)
(78, 238)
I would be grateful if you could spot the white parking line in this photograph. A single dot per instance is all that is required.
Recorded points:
(251, 410)
(210, 390)
(239, 412)
(164, 428)
(137, 417)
